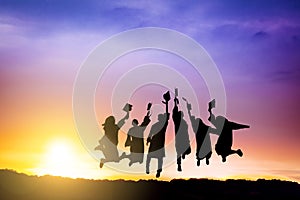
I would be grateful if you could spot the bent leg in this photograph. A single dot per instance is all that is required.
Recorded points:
(124, 155)
(198, 158)
(159, 167)
(179, 163)
(239, 152)
(148, 164)
(208, 156)
(230, 152)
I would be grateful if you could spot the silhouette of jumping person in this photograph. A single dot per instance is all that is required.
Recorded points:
(203, 141)
(182, 141)
(135, 139)
(225, 129)
(156, 138)
(109, 142)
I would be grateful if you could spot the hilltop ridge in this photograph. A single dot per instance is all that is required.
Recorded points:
(15, 185)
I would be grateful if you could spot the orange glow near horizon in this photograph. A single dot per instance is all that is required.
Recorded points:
(52, 146)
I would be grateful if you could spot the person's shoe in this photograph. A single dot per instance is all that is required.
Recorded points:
(223, 159)
(179, 168)
(101, 164)
(198, 162)
(147, 171)
(207, 161)
(158, 173)
(239, 152)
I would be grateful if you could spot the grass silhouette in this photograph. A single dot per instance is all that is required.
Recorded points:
(15, 185)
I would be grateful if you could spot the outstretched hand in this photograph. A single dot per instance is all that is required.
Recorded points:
(165, 102)
(189, 106)
(176, 101)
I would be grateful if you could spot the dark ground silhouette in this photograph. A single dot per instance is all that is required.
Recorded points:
(20, 186)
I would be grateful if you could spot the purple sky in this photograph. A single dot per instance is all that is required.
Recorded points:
(255, 45)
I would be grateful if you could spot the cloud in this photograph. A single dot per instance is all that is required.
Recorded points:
(226, 29)
(260, 34)
(57, 16)
(100, 15)
(287, 74)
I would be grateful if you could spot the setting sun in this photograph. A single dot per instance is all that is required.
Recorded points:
(59, 160)
(59, 154)
(62, 159)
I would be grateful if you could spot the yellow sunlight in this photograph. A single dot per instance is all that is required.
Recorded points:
(62, 158)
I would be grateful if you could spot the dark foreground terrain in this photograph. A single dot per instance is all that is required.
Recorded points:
(20, 186)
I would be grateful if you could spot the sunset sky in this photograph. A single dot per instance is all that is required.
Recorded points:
(255, 46)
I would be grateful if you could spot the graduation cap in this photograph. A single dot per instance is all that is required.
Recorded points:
(188, 105)
(167, 96)
(149, 106)
(127, 107)
(212, 104)
(176, 92)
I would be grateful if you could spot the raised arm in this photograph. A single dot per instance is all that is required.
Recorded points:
(194, 123)
(146, 121)
(175, 112)
(122, 121)
(212, 117)
(167, 115)
(175, 109)
(189, 108)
